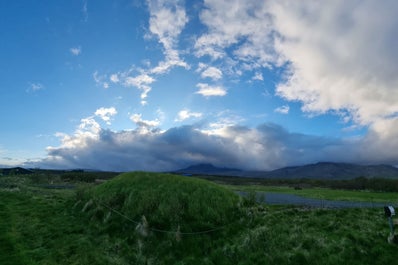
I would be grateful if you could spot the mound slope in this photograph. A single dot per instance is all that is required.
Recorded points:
(168, 202)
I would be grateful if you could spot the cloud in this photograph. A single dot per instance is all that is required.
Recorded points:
(142, 82)
(99, 80)
(106, 113)
(283, 109)
(75, 51)
(210, 91)
(268, 146)
(167, 19)
(114, 78)
(85, 11)
(212, 72)
(34, 87)
(243, 25)
(258, 76)
(347, 57)
(336, 57)
(145, 126)
(186, 114)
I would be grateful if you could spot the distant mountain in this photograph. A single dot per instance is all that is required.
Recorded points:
(321, 170)
(15, 171)
(208, 169)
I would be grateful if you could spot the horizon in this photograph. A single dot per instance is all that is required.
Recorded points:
(161, 85)
(196, 165)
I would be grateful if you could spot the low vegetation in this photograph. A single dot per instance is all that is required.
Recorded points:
(360, 183)
(147, 218)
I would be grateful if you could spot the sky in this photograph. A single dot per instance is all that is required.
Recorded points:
(160, 85)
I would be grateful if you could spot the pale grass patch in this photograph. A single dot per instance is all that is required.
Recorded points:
(87, 205)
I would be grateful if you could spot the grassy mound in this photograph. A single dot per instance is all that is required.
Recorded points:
(168, 202)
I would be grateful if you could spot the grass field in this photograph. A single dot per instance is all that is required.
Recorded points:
(187, 221)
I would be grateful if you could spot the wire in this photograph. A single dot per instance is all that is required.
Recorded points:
(161, 230)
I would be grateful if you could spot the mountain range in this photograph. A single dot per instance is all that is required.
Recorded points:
(321, 170)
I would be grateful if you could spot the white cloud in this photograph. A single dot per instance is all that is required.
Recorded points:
(212, 72)
(144, 124)
(258, 76)
(33, 87)
(75, 50)
(244, 24)
(139, 81)
(283, 109)
(142, 82)
(167, 20)
(114, 78)
(336, 57)
(210, 91)
(106, 113)
(187, 114)
(99, 80)
(340, 56)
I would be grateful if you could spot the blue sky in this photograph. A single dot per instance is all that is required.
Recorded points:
(159, 85)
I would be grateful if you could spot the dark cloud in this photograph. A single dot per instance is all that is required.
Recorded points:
(266, 147)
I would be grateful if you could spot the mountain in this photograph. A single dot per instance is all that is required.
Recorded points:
(321, 170)
(208, 169)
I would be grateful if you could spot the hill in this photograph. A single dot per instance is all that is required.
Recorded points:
(167, 201)
(208, 169)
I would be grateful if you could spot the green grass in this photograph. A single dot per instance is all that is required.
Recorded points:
(166, 201)
(324, 193)
(40, 226)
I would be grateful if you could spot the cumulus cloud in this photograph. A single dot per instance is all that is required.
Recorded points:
(268, 146)
(338, 55)
(242, 24)
(105, 114)
(212, 72)
(114, 78)
(283, 109)
(186, 114)
(75, 51)
(335, 56)
(341, 56)
(210, 91)
(258, 76)
(145, 126)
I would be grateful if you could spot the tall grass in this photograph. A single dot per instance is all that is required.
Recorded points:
(166, 201)
(52, 227)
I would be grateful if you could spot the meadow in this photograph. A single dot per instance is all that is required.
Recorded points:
(150, 218)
